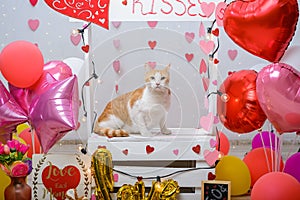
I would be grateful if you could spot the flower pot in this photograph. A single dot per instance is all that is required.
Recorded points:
(18, 189)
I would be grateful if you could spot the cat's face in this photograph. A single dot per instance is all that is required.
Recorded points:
(157, 79)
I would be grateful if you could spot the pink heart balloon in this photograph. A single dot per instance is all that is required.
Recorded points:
(278, 91)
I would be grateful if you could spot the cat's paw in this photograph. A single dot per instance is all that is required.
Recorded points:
(166, 131)
(146, 133)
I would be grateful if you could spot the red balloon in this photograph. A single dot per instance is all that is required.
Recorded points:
(26, 135)
(261, 161)
(21, 63)
(262, 27)
(276, 186)
(223, 145)
(238, 107)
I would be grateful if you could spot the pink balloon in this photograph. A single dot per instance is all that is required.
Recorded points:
(265, 139)
(278, 91)
(55, 112)
(53, 71)
(292, 166)
(276, 186)
(11, 113)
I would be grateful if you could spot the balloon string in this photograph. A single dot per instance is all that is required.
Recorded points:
(95, 76)
(32, 139)
(276, 154)
(164, 176)
(272, 152)
(264, 147)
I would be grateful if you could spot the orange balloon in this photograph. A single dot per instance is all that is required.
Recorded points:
(237, 106)
(26, 135)
(276, 186)
(261, 161)
(224, 143)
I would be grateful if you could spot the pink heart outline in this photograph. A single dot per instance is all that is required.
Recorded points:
(189, 36)
(75, 39)
(211, 157)
(33, 24)
(116, 24)
(152, 65)
(203, 66)
(212, 143)
(208, 8)
(202, 30)
(152, 24)
(219, 14)
(206, 122)
(116, 43)
(232, 53)
(117, 66)
(206, 46)
(176, 152)
(116, 177)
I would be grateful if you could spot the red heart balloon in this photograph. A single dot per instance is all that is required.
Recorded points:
(59, 181)
(94, 11)
(262, 27)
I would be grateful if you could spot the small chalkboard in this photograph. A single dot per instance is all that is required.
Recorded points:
(215, 190)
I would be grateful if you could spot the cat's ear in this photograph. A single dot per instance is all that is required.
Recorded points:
(147, 67)
(167, 68)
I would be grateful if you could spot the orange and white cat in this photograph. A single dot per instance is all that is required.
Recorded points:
(140, 110)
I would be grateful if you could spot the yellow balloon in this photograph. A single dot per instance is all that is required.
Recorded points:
(232, 168)
(5, 181)
(22, 127)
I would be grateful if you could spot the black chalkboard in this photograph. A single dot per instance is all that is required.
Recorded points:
(215, 190)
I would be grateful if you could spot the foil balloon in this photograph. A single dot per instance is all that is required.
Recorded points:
(237, 105)
(167, 189)
(262, 27)
(55, 112)
(278, 91)
(136, 192)
(102, 171)
(11, 113)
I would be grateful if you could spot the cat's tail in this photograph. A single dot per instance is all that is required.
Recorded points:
(109, 132)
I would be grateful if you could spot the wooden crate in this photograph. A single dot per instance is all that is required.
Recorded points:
(159, 156)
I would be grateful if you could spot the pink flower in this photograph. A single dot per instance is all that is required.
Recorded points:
(1, 149)
(23, 148)
(6, 149)
(19, 169)
(13, 144)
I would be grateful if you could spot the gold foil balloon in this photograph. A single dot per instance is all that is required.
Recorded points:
(102, 171)
(163, 190)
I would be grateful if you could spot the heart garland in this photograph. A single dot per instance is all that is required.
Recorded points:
(94, 11)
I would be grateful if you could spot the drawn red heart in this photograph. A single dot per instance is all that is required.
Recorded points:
(33, 2)
(149, 149)
(211, 176)
(216, 61)
(59, 181)
(197, 149)
(189, 57)
(124, 2)
(152, 44)
(94, 11)
(125, 152)
(85, 48)
(215, 32)
(263, 28)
